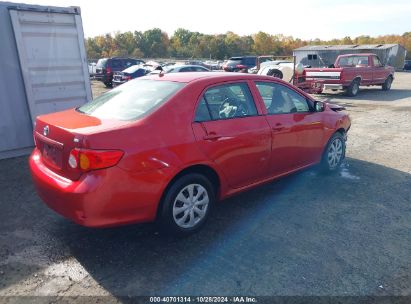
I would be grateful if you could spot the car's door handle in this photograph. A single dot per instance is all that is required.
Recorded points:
(277, 128)
(212, 137)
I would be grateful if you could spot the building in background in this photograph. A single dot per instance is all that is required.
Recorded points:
(325, 55)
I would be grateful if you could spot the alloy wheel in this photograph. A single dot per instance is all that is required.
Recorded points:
(335, 153)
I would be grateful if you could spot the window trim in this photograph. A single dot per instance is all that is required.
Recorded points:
(309, 102)
(378, 59)
(225, 83)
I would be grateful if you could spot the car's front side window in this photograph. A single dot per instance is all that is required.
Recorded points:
(225, 102)
(377, 61)
(279, 99)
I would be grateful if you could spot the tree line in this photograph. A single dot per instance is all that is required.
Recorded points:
(183, 44)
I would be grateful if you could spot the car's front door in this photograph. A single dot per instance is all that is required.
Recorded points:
(297, 131)
(379, 71)
(230, 131)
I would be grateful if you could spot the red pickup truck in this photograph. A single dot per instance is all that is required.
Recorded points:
(348, 73)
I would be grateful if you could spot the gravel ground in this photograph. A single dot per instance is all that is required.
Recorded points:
(347, 234)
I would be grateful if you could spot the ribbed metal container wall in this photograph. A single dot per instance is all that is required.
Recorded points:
(43, 69)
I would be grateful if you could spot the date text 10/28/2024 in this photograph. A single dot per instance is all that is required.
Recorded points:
(203, 299)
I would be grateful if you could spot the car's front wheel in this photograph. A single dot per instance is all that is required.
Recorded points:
(187, 204)
(354, 88)
(387, 84)
(334, 153)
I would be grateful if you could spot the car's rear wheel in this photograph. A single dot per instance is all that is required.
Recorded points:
(387, 84)
(354, 88)
(276, 73)
(187, 204)
(334, 153)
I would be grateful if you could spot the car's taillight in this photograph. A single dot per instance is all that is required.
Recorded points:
(241, 66)
(86, 159)
(108, 70)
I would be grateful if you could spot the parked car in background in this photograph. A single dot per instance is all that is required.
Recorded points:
(167, 148)
(107, 66)
(349, 73)
(168, 63)
(132, 72)
(92, 68)
(196, 62)
(279, 68)
(236, 64)
(407, 65)
(212, 65)
(181, 68)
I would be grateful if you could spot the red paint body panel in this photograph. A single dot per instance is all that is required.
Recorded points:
(245, 153)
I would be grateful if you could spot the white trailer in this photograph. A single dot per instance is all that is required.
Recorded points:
(43, 69)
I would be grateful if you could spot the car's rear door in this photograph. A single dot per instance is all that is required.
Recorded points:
(297, 131)
(230, 132)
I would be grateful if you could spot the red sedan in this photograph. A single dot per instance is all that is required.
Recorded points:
(167, 147)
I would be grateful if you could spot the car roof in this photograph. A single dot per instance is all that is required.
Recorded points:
(218, 76)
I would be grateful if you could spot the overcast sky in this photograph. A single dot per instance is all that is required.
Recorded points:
(306, 19)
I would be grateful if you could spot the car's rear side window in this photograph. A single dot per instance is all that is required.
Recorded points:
(226, 101)
(131, 100)
(279, 99)
(250, 61)
(186, 69)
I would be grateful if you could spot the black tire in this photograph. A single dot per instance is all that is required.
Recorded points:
(326, 164)
(276, 73)
(386, 86)
(354, 88)
(167, 219)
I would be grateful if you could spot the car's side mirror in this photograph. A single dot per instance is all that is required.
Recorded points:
(319, 106)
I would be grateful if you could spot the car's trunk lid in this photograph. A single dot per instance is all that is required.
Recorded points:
(58, 133)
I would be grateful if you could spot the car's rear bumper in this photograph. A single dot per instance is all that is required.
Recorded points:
(100, 198)
(118, 82)
(333, 86)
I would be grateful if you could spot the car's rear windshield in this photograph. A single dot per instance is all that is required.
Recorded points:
(131, 100)
(101, 63)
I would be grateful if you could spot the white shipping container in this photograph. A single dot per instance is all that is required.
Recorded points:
(43, 69)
